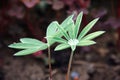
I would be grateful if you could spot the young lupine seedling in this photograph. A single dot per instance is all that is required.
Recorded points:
(54, 33)
(30, 45)
(72, 39)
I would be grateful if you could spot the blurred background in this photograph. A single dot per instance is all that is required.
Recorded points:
(30, 18)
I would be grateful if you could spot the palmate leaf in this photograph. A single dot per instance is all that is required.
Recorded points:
(62, 46)
(93, 35)
(77, 24)
(87, 28)
(29, 44)
(86, 43)
(29, 48)
(26, 52)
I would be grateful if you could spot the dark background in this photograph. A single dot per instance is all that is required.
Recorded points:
(30, 18)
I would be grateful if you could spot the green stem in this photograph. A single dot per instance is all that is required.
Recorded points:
(69, 65)
(49, 62)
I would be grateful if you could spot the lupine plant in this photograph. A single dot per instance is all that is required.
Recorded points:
(72, 39)
(30, 45)
(65, 33)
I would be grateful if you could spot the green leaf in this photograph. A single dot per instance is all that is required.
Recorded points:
(86, 43)
(59, 40)
(62, 46)
(63, 32)
(77, 24)
(65, 24)
(52, 28)
(67, 21)
(31, 41)
(93, 35)
(26, 46)
(26, 52)
(87, 28)
(71, 30)
(23, 45)
(52, 31)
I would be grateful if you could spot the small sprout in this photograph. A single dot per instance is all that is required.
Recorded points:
(30, 45)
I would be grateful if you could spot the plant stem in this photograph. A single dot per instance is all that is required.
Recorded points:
(49, 62)
(69, 65)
